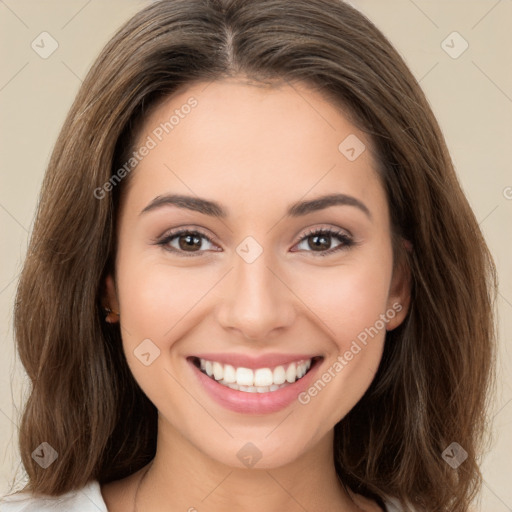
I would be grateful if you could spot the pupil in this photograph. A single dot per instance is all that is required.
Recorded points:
(191, 241)
(324, 244)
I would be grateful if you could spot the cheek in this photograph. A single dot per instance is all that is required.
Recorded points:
(347, 299)
(157, 298)
(350, 302)
(159, 304)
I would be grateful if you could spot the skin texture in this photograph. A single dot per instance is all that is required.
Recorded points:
(255, 150)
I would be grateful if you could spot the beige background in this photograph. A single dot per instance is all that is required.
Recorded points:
(471, 96)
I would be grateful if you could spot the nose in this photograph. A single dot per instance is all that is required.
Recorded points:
(257, 303)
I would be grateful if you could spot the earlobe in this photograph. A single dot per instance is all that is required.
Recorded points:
(400, 290)
(110, 302)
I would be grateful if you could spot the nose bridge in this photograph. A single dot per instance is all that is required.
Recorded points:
(256, 302)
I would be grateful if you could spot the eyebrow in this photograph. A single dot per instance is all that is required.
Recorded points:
(214, 209)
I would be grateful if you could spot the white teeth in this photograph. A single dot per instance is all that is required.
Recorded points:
(218, 371)
(291, 373)
(279, 375)
(263, 377)
(244, 377)
(261, 380)
(229, 373)
(252, 389)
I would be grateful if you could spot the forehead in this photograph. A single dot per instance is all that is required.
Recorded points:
(253, 148)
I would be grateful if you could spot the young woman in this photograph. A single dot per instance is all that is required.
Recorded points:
(254, 282)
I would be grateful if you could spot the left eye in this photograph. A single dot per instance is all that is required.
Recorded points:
(320, 241)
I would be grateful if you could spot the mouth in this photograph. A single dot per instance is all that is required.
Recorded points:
(255, 380)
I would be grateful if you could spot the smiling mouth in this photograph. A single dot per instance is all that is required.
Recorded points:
(259, 380)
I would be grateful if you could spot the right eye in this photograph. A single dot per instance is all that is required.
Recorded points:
(185, 242)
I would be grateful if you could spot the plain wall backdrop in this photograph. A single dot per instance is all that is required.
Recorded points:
(459, 50)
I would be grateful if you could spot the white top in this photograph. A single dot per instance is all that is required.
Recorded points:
(87, 499)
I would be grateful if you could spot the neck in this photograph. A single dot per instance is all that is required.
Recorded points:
(182, 478)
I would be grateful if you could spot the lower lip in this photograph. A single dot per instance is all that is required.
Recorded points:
(255, 403)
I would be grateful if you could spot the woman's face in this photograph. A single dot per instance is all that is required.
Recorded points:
(248, 286)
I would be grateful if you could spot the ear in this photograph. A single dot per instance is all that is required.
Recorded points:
(399, 297)
(110, 300)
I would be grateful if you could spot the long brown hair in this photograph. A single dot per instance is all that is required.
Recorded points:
(437, 371)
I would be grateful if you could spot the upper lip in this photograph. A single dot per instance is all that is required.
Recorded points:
(253, 362)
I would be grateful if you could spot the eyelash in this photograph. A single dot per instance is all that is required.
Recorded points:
(346, 241)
